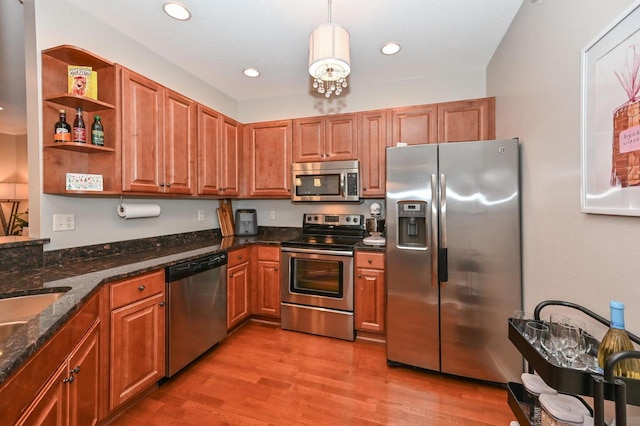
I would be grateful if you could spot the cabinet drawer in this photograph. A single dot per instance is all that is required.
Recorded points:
(370, 260)
(138, 288)
(237, 257)
(269, 253)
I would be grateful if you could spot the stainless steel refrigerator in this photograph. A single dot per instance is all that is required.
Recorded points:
(453, 257)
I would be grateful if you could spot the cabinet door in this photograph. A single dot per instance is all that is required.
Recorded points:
(369, 300)
(230, 155)
(415, 125)
(209, 132)
(83, 390)
(142, 166)
(137, 348)
(471, 120)
(341, 138)
(268, 159)
(49, 407)
(178, 144)
(372, 140)
(268, 281)
(237, 294)
(308, 140)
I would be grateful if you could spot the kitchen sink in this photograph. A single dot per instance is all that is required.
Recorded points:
(8, 327)
(23, 308)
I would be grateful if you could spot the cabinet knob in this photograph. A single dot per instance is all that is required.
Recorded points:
(161, 304)
(230, 275)
(359, 275)
(69, 379)
(141, 288)
(168, 185)
(162, 184)
(370, 260)
(276, 268)
(239, 256)
(76, 370)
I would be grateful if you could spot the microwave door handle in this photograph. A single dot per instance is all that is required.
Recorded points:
(343, 188)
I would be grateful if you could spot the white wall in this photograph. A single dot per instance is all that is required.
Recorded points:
(96, 221)
(535, 76)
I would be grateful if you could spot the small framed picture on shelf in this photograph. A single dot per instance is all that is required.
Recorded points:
(83, 182)
(82, 81)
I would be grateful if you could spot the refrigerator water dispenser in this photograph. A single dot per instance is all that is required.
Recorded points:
(412, 224)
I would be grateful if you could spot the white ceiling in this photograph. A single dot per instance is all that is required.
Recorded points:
(223, 37)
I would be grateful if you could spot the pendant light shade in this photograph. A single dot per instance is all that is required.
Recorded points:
(329, 57)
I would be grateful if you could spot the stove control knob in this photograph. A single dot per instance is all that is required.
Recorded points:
(309, 218)
(348, 218)
(315, 218)
(355, 219)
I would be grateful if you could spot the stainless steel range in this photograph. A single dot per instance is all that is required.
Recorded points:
(317, 280)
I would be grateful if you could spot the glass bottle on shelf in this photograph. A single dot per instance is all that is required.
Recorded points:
(97, 132)
(79, 130)
(62, 130)
(616, 340)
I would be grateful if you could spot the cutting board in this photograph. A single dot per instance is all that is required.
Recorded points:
(225, 226)
(227, 208)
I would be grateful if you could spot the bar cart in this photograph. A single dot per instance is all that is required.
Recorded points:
(601, 387)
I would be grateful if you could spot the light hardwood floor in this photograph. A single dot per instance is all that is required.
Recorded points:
(262, 375)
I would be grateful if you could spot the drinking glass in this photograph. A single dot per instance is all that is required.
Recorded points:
(532, 333)
(555, 326)
(571, 348)
(588, 361)
(520, 319)
(545, 343)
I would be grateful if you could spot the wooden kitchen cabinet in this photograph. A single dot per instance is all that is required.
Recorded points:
(267, 282)
(414, 125)
(267, 165)
(332, 137)
(218, 153)
(470, 120)
(158, 137)
(238, 280)
(370, 292)
(70, 157)
(59, 384)
(373, 138)
(137, 336)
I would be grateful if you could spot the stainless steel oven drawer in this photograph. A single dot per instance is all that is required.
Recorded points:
(321, 321)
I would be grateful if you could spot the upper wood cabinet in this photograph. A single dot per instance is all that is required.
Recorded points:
(414, 125)
(69, 157)
(470, 120)
(218, 153)
(332, 137)
(267, 164)
(158, 137)
(373, 138)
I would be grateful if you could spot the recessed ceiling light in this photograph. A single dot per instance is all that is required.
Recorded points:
(1, 108)
(176, 11)
(251, 72)
(390, 48)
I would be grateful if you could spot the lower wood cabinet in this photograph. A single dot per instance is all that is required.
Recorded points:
(137, 336)
(238, 300)
(59, 384)
(70, 397)
(267, 281)
(370, 292)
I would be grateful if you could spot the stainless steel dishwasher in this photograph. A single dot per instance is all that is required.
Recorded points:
(197, 314)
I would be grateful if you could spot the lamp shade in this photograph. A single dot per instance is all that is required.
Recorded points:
(14, 191)
(329, 54)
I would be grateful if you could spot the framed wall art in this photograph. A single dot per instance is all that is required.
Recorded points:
(610, 119)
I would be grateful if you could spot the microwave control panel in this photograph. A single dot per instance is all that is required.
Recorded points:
(352, 184)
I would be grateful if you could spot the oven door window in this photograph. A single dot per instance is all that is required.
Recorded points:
(317, 277)
(318, 184)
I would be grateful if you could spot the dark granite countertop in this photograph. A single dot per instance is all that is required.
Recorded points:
(367, 247)
(82, 279)
(12, 241)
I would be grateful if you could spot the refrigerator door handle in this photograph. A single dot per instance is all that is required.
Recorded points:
(442, 250)
(434, 231)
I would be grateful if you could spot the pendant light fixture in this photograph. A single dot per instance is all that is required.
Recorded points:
(329, 57)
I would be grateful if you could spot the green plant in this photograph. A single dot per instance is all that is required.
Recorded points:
(19, 223)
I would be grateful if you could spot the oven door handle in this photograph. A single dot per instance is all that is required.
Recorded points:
(316, 251)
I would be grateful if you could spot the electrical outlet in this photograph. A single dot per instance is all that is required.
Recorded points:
(64, 222)
(200, 215)
(272, 214)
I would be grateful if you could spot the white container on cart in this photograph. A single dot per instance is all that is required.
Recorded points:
(535, 386)
(564, 410)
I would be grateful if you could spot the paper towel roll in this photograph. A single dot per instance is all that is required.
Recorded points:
(135, 211)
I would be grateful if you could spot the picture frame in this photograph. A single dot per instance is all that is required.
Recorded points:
(609, 128)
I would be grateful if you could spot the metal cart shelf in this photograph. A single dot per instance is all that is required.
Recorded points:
(569, 381)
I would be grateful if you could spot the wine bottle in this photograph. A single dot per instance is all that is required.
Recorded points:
(79, 131)
(62, 130)
(616, 340)
(97, 131)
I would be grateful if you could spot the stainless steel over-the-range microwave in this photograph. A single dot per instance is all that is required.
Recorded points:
(326, 181)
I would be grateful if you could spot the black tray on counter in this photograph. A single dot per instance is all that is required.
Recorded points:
(567, 380)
